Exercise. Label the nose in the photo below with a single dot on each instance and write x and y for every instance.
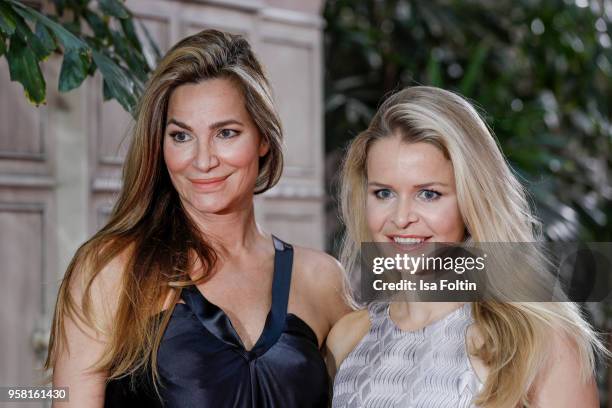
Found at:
(404, 213)
(206, 157)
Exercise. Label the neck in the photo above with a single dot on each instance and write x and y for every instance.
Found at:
(232, 232)
(416, 315)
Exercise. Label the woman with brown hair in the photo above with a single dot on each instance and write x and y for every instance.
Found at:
(182, 297)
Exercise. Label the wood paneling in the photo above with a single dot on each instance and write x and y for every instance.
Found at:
(22, 228)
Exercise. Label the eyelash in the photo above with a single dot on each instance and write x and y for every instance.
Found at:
(437, 193)
(173, 135)
(377, 193)
(236, 133)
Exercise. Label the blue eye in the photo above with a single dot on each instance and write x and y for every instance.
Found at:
(227, 133)
(180, 137)
(383, 194)
(429, 195)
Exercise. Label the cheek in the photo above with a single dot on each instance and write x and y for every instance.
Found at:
(375, 214)
(446, 221)
(177, 158)
(240, 154)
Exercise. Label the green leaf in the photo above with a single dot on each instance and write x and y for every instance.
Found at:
(474, 68)
(114, 8)
(25, 34)
(24, 68)
(434, 72)
(134, 59)
(138, 82)
(74, 70)
(130, 33)
(153, 46)
(107, 95)
(59, 6)
(118, 84)
(99, 27)
(45, 37)
(65, 37)
(7, 19)
(2, 45)
(73, 26)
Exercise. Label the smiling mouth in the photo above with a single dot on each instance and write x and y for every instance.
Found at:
(404, 239)
(206, 184)
(208, 181)
(408, 243)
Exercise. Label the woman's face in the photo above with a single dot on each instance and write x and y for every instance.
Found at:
(411, 195)
(212, 146)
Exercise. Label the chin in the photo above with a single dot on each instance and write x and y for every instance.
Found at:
(210, 204)
(211, 208)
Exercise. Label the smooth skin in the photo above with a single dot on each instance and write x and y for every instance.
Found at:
(411, 192)
(212, 149)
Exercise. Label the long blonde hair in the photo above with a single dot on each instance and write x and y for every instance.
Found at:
(148, 217)
(494, 208)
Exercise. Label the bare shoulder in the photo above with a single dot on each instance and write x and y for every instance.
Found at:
(348, 331)
(318, 264)
(344, 337)
(322, 277)
(319, 269)
(559, 382)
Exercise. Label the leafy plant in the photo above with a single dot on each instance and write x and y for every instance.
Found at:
(540, 70)
(90, 38)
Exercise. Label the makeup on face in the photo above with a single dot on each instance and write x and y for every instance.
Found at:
(212, 146)
(411, 194)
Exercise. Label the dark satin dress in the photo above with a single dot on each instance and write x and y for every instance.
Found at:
(203, 363)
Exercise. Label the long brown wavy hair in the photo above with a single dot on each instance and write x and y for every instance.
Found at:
(148, 217)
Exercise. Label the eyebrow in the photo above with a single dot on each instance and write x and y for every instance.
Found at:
(431, 184)
(212, 126)
(179, 123)
(424, 185)
(223, 123)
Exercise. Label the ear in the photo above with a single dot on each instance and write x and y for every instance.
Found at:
(264, 147)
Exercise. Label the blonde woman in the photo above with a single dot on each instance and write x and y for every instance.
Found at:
(427, 169)
(182, 300)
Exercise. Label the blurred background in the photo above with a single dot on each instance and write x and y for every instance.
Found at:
(539, 71)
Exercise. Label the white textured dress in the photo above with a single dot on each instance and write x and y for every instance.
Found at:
(426, 368)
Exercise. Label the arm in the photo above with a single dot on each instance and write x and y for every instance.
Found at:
(84, 344)
(559, 384)
(85, 388)
(318, 283)
(344, 337)
(330, 282)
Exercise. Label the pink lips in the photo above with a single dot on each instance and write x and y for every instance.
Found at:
(208, 184)
(409, 247)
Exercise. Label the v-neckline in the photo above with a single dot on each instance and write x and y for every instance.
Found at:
(218, 323)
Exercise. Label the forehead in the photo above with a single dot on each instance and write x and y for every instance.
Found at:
(393, 161)
(209, 100)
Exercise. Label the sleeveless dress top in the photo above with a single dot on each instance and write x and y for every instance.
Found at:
(426, 368)
(203, 363)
